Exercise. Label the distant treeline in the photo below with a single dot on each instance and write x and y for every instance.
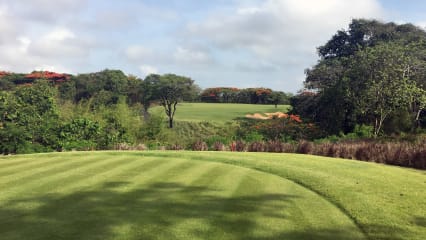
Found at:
(107, 85)
(247, 95)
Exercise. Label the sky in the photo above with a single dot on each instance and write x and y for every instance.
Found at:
(217, 43)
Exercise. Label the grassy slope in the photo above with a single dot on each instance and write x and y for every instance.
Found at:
(195, 196)
(219, 112)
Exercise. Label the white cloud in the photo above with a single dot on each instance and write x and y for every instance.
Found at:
(52, 68)
(421, 24)
(147, 69)
(52, 50)
(283, 25)
(139, 53)
(279, 32)
(190, 56)
(47, 11)
(60, 42)
(8, 25)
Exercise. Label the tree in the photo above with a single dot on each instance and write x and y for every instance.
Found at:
(383, 83)
(368, 74)
(29, 118)
(89, 85)
(148, 94)
(170, 89)
(278, 97)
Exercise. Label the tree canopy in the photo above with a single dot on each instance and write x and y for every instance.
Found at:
(368, 74)
(169, 89)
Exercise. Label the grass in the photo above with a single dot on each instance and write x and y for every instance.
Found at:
(206, 195)
(219, 112)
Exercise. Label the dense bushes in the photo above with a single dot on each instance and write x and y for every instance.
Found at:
(400, 154)
(286, 129)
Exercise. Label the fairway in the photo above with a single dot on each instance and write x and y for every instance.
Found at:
(190, 195)
(219, 112)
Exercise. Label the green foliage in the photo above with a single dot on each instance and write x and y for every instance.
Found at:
(153, 127)
(169, 89)
(248, 96)
(370, 74)
(29, 119)
(115, 82)
(80, 134)
(14, 138)
(281, 129)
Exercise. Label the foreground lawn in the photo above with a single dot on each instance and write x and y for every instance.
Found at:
(219, 112)
(206, 195)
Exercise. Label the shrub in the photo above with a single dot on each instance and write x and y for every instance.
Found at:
(141, 147)
(200, 146)
(257, 147)
(237, 146)
(305, 147)
(274, 146)
(218, 146)
(176, 147)
(240, 146)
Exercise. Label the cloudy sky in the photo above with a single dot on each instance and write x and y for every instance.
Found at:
(241, 43)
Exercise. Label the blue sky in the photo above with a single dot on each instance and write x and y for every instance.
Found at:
(238, 43)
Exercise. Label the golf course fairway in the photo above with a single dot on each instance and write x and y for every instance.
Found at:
(207, 195)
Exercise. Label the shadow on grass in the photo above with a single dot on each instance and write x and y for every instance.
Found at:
(420, 221)
(148, 213)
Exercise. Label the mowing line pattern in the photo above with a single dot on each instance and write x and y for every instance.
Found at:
(109, 195)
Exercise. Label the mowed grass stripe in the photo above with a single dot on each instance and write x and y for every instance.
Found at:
(6, 162)
(48, 179)
(385, 202)
(56, 163)
(28, 165)
(85, 183)
(194, 195)
(103, 188)
(56, 167)
(124, 175)
(89, 176)
(214, 198)
(245, 195)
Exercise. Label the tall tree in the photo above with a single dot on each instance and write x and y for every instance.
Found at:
(148, 94)
(382, 82)
(170, 89)
(365, 75)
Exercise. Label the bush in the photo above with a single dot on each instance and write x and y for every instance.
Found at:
(200, 146)
(176, 147)
(274, 146)
(305, 147)
(218, 146)
(240, 146)
(257, 147)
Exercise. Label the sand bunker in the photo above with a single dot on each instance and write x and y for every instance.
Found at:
(267, 115)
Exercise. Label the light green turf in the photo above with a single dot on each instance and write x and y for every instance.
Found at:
(206, 195)
(220, 112)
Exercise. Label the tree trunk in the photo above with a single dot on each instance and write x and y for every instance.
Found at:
(417, 120)
(146, 115)
(170, 122)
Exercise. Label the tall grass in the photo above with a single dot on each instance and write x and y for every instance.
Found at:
(393, 153)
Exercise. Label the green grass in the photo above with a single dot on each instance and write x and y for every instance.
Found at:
(219, 112)
(206, 195)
